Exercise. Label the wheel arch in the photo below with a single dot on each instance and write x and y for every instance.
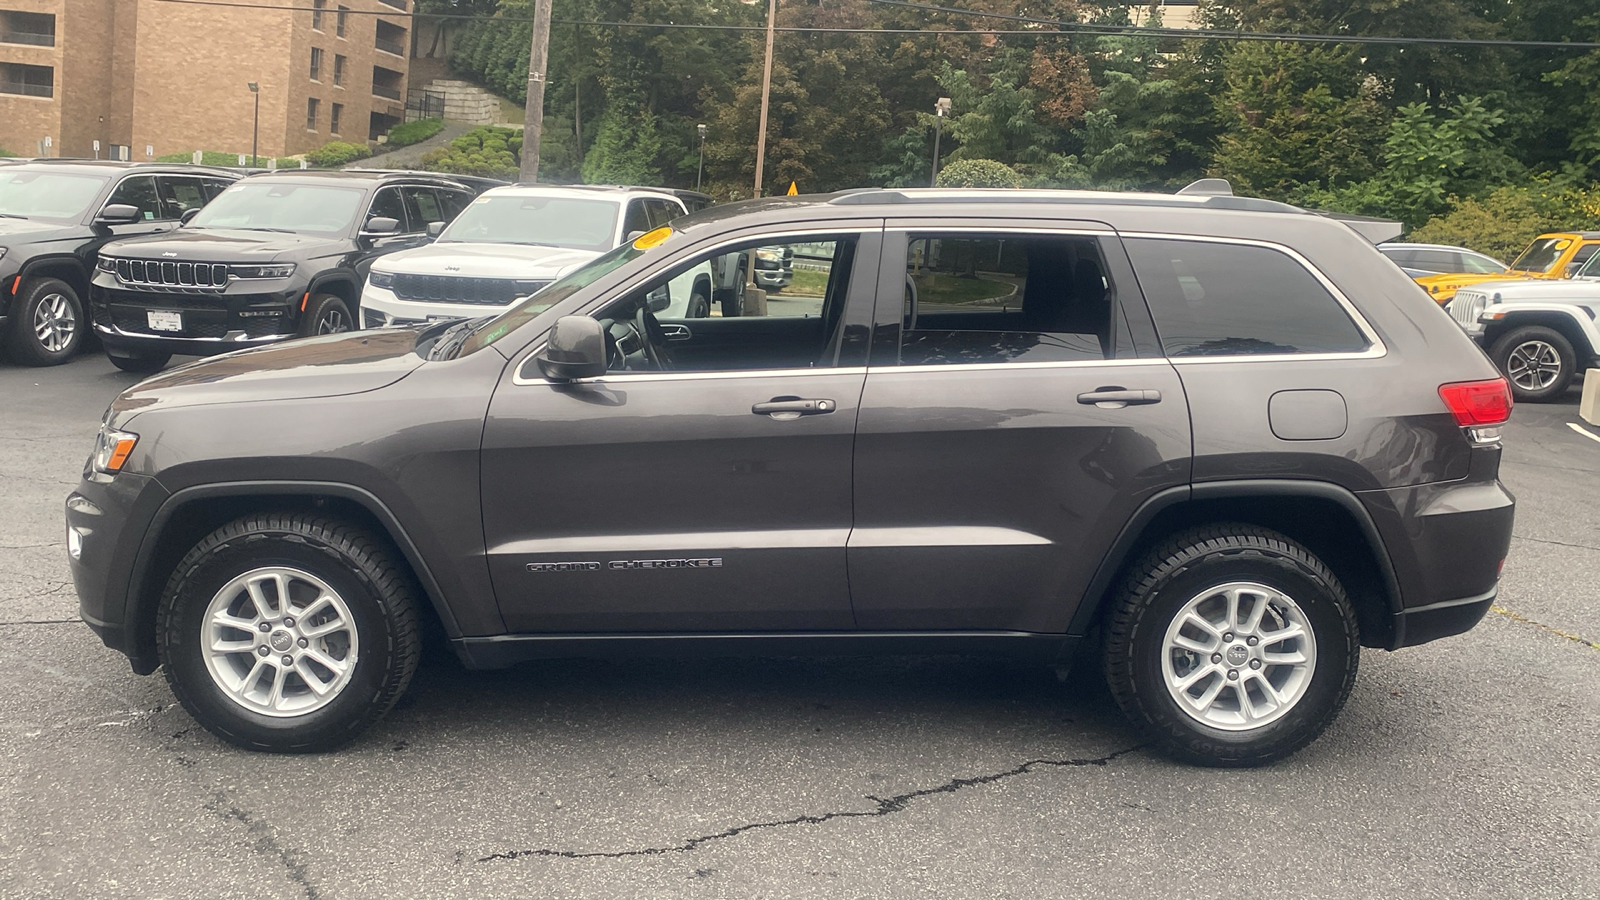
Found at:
(191, 513)
(66, 268)
(1566, 321)
(1329, 520)
(339, 286)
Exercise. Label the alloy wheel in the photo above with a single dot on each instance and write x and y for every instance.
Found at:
(333, 320)
(1238, 656)
(54, 323)
(1533, 365)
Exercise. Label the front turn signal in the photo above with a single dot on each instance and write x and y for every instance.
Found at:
(112, 449)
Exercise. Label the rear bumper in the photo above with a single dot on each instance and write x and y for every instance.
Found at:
(1450, 617)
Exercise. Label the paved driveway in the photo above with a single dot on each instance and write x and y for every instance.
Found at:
(1468, 768)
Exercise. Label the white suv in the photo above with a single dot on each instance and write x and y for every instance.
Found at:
(512, 241)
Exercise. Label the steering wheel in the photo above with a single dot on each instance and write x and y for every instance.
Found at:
(654, 338)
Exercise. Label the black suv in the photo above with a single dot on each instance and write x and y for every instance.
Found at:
(1219, 442)
(278, 255)
(54, 217)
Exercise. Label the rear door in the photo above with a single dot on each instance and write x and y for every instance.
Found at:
(1016, 413)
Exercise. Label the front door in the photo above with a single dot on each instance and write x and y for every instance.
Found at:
(1016, 413)
(701, 485)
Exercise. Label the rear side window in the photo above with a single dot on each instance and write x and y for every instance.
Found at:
(1214, 299)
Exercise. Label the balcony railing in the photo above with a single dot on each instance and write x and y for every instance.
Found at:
(388, 46)
(397, 4)
(38, 39)
(33, 90)
(386, 92)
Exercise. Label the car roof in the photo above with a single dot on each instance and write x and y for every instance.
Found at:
(366, 176)
(578, 190)
(1580, 235)
(108, 166)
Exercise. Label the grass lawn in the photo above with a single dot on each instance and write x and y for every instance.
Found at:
(808, 283)
(949, 290)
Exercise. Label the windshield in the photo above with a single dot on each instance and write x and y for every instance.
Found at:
(559, 290)
(47, 195)
(280, 206)
(1541, 255)
(576, 222)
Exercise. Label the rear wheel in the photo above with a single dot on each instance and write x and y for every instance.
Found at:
(1231, 645)
(1538, 361)
(288, 632)
(326, 314)
(47, 324)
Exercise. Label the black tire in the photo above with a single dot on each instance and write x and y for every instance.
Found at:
(363, 572)
(326, 314)
(699, 306)
(1523, 354)
(142, 363)
(1186, 567)
(54, 300)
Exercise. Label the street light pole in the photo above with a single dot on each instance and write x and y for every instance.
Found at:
(700, 173)
(766, 93)
(255, 124)
(939, 110)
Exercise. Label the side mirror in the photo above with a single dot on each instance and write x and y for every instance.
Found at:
(435, 229)
(381, 226)
(118, 214)
(576, 348)
(659, 299)
(187, 215)
(633, 236)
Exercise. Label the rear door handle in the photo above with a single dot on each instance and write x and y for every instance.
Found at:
(1117, 398)
(786, 408)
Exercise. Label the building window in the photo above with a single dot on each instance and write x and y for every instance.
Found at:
(335, 113)
(38, 29)
(338, 70)
(316, 63)
(397, 4)
(339, 20)
(390, 38)
(387, 83)
(31, 81)
(317, 6)
(311, 113)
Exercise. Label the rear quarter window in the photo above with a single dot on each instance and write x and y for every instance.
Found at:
(1218, 299)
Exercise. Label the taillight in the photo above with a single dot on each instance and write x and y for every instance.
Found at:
(1480, 407)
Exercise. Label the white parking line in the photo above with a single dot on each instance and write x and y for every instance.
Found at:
(1583, 431)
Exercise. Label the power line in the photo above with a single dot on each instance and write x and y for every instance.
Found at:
(1062, 29)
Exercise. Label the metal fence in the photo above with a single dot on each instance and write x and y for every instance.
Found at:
(422, 103)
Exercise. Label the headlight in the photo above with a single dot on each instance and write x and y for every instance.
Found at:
(111, 450)
(770, 254)
(105, 264)
(281, 270)
(383, 280)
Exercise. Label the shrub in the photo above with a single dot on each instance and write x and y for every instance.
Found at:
(7, 154)
(1503, 223)
(208, 158)
(408, 133)
(979, 173)
(487, 151)
(334, 154)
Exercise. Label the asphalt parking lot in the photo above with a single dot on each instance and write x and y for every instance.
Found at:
(1468, 768)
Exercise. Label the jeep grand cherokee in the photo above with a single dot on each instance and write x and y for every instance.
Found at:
(1215, 440)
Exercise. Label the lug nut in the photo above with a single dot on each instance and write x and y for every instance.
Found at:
(288, 621)
(304, 642)
(1255, 663)
(288, 660)
(1233, 674)
(1228, 636)
(265, 626)
(263, 650)
(1252, 640)
(1216, 657)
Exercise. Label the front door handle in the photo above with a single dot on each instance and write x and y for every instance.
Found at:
(787, 408)
(1118, 397)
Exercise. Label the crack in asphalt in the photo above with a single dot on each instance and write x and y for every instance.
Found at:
(266, 843)
(1519, 617)
(884, 806)
(1557, 543)
(43, 622)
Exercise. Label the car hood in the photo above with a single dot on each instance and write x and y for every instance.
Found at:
(484, 260)
(1566, 290)
(330, 366)
(32, 230)
(222, 245)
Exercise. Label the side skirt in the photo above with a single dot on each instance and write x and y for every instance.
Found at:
(501, 651)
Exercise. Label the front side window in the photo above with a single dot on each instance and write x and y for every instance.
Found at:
(387, 204)
(181, 195)
(139, 191)
(1220, 299)
(981, 298)
(638, 218)
(579, 223)
(31, 194)
(1480, 265)
(563, 287)
(269, 204)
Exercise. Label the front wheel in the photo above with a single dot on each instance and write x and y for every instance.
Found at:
(1538, 361)
(47, 324)
(326, 314)
(1231, 645)
(288, 632)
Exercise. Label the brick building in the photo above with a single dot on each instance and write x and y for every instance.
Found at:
(152, 77)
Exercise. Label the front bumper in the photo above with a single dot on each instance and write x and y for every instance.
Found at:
(211, 322)
(382, 309)
(106, 520)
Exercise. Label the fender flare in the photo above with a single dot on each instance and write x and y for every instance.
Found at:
(142, 603)
(1584, 323)
(1094, 596)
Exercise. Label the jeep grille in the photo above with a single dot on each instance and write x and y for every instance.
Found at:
(168, 273)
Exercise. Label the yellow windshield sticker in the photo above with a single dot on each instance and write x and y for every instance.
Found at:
(651, 239)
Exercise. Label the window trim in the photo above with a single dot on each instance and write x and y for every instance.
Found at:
(1376, 349)
(857, 228)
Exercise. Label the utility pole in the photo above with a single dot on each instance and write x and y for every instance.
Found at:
(700, 172)
(533, 119)
(940, 110)
(766, 93)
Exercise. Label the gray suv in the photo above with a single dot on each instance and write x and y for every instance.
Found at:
(1216, 441)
